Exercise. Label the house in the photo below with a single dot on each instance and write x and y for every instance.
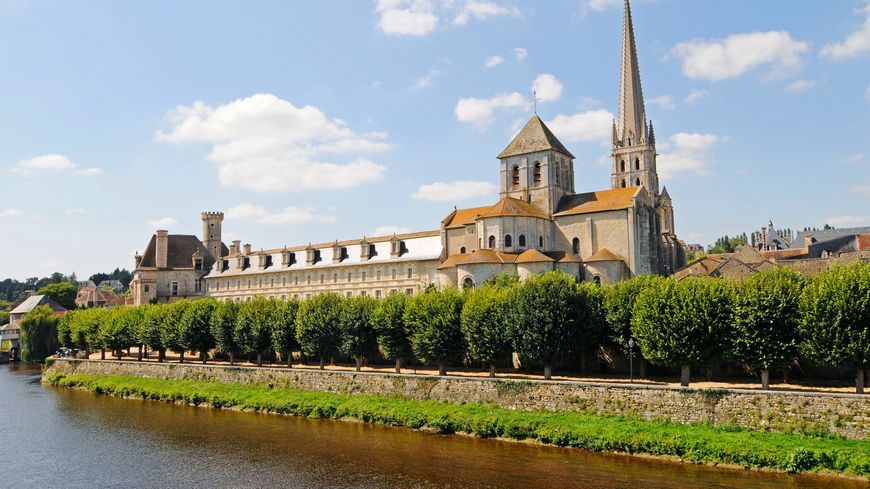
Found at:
(11, 331)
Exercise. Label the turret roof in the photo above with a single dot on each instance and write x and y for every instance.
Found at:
(533, 137)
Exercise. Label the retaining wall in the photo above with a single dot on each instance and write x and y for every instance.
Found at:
(847, 415)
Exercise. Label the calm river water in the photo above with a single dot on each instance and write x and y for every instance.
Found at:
(59, 438)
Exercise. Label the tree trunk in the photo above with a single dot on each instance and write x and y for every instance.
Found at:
(232, 358)
(322, 363)
(102, 353)
(139, 355)
(145, 349)
(161, 355)
(492, 370)
(442, 369)
(583, 369)
(867, 378)
(709, 374)
(684, 376)
(786, 375)
(548, 372)
(398, 365)
(765, 379)
(859, 381)
(358, 361)
(181, 357)
(259, 359)
(87, 353)
(204, 356)
(289, 358)
(642, 368)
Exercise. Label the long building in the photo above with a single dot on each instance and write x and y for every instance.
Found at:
(540, 223)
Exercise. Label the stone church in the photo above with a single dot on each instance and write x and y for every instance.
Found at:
(540, 223)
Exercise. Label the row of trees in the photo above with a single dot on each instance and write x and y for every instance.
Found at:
(764, 323)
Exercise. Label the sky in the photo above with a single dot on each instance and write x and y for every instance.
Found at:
(310, 121)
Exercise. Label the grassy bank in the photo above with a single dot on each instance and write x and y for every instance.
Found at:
(691, 443)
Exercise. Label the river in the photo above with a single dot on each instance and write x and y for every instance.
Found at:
(54, 437)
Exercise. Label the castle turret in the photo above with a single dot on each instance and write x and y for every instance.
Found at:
(211, 232)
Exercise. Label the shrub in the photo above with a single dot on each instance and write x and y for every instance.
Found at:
(433, 320)
(318, 326)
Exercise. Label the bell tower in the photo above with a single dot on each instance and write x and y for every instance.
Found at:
(211, 232)
(634, 151)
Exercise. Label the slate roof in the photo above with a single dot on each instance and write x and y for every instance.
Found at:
(535, 136)
(180, 253)
(599, 201)
(827, 234)
(35, 301)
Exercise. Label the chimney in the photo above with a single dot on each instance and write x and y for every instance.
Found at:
(763, 237)
(247, 248)
(235, 248)
(162, 257)
(808, 240)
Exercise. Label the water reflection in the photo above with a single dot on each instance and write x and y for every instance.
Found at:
(76, 439)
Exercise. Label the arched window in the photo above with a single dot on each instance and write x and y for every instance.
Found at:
(537, 172)
(492, 241)
(597, 280)
(515, 176)
(622, 165)
(575, 246)
(468, 283)
(558, 175)
(637, 163)
(462, 250)
(508, 241)
(522, 240)
(540, 241)
(637, 182)
(622, 184)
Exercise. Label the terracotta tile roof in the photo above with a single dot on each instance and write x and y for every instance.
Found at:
(564, 257)
(863, 242)
(599, 201)
(533, 137)
(604, 255)
(791, 253)
(349, 242)
(478, 256)
(533, 256)
(508, 206)
(461, 217)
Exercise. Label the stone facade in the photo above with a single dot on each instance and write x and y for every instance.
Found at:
(846, 415)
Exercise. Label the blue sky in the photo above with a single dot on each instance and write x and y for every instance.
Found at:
(316, 120)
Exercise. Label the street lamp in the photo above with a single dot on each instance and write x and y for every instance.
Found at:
(631, 359)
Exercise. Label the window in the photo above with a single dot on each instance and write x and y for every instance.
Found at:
(558, 175)
(393, 271)
(410, 272)
(349, 293)
(467, 283)
(462, 250)
(537, 172)
(409, 291)
(522, 240)
(284, 282)
(637, 182)
(515, 176)
(197, 264)
(349, 275)
(378, 272)
(363, 275)
(622, 165)
(308, 278)
(540, 241)
(622, 184)
(492, 241)
(296, 280)
(321, 278)
(378, 294)
(637, 163)
(597, 280)
(508, 241)
(362, 293)
(335, 277)
(197, 285)
(147, 288)
(174, 288)
(575, 246)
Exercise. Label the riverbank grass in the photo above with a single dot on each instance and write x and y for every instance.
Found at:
(697, 443)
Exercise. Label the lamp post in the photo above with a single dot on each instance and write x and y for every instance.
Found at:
(631, 359)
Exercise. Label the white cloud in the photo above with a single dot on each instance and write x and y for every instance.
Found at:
(592, 125)
(855, 157)
(287, 215)
(388, 230)
(425, 80)
(406, 17)
(547, 88)
(456, 191)
(848, 221)
(800, 86)
(479, 111)
(266, 144)
(686, 153)
(482, 10)
(862, 190)
(521, 53)
(599, 5)
(162, 223)
(90, 172)
(739, 53)
(10, 212)
(72, 211)
(50, 163)
(493, 61)
(664, 101)
(855, 44)
(696, 95)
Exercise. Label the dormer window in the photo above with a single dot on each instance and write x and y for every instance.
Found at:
(225, 265)
(397, 248)
(288, 258)
(367, 250)
(339, 254)
(197, 263)
(312, 256)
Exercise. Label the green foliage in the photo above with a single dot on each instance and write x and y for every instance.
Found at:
(727, 244)
(683, 323)
(196, 326)
(766, 319)
(82, 328)
(835, 311)
(503, 280)
(283, 321)
(433, 320)
(38, 334)
(318, 326)
(151, 326)
(619, 299)
(484, 324)
(64, 293)
(358, 337)
(4, 317)
(253, 332)
(389, 324)
(173, 335)
(119, 326)
(543, 313)
(223, 326)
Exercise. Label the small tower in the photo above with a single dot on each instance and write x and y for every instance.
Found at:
(211, 232)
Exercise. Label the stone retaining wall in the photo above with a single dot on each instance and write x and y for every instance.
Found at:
(847, 415)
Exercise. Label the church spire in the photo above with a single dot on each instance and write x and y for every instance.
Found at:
(632, 116)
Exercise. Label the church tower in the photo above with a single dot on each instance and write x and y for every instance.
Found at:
(634, 151)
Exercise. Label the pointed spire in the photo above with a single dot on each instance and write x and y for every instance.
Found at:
(632, 116)
(614, 132)
(652, 134)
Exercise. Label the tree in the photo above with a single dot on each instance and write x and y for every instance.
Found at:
(434, 322)
(84, 329)
(835, 319)
(150, 328)
(484, 324)
(118, 329)
(196, 326)
(766, 320)
(590, 325)
(358, 337)
(318, 327)
(619, 299)
(223, 325)
(284, 328)
(543, 312)
(64, 293)
(389, 325)
(683, 323)
(173, 336)
(38, 334)
(253, 332)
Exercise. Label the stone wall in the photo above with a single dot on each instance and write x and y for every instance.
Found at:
(847, 415)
